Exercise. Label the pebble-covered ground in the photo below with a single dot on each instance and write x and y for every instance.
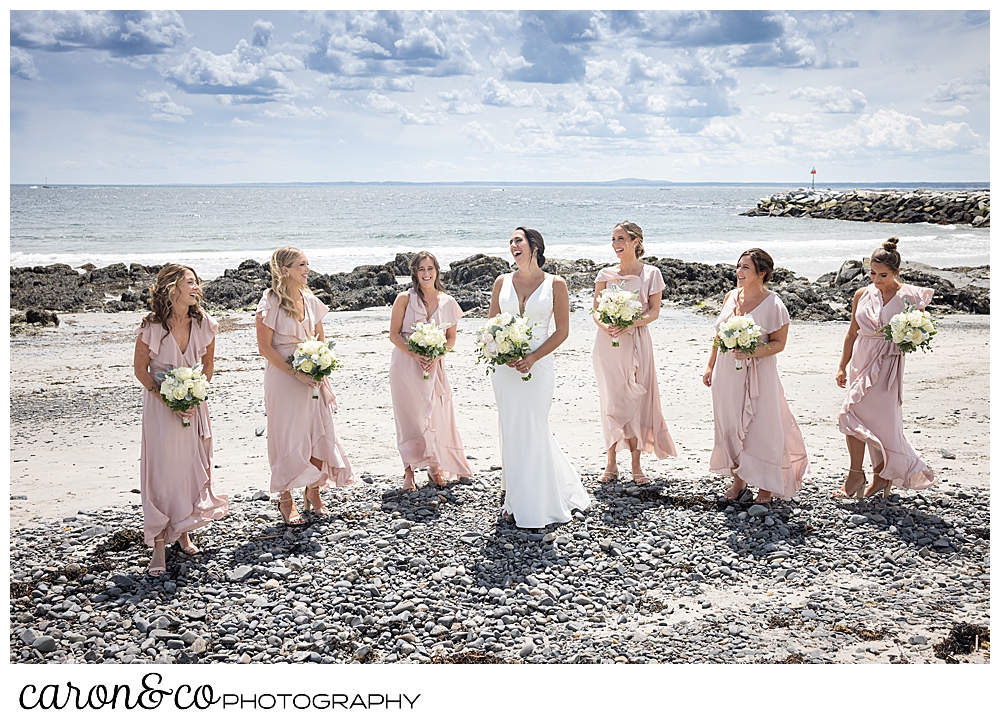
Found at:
(661, 573)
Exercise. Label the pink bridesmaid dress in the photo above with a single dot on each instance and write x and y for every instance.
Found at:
(626, 376)
(423, 409)
(175, 465)
(298, 426)
(756, 435)
(873, 409)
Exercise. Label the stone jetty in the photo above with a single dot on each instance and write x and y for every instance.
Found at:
(889, 206)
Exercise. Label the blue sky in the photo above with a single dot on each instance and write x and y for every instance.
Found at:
(268, 96)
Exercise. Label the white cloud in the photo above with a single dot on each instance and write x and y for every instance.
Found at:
(482, 138)
(718, 130)
(959, 89)
(496, 93)
(164, 108)
(832, 99)
(763, 89)
(240, 123)
(460, 102)
(893, 133)
(246, 75)
(22, 64)
(382, 104)
(123, 33)
(952, 112)
(290, 110)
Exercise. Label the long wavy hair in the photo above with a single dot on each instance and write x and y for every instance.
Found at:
(415, 263)
(635, 233)
(280, 259)
(159, 301)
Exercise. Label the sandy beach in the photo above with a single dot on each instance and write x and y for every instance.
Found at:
(75, 426)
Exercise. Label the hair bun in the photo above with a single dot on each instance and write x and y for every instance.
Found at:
(890, 244)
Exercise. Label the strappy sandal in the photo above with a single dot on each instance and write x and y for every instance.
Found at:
(643, 479)
(731, 496)
(317, 507)
(843, 493)
(608, 477)
(157, 571)
(409, 483)
(190, 549)
(761, 501)
(437, 479)
(290, 515)
(885, 490)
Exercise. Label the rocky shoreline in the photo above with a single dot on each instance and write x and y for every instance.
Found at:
(44, 291)
(900, 207)
(659, 573)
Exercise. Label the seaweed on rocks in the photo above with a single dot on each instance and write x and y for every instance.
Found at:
(964, 638)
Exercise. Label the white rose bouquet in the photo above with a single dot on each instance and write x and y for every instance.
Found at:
(911, 329)
(618, 307)
(428, 340)
(314, 358)
(739, 332)
(182, 388)
(503, 338)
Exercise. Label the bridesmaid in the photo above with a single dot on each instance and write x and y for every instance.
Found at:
(757, 439)
(631, 417)
(422, 408)
(302, 445)
(175, 465)
(872, 414)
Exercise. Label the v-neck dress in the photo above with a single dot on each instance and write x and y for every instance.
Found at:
(175, 464)
(423, 410)
(756, 435)
(626, 375)
(873, 408)
(299, 427)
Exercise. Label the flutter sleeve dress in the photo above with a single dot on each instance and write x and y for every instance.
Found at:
(873, 408)
(626, 376)
(175, 465)
(756, 435)
(424, 411)
(299, 427)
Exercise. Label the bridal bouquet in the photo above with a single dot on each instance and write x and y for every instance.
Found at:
(618, 307)
(503, 338)
(911, 329)
(428, 340)
(182, 388)
(314, 358)
(740, 333)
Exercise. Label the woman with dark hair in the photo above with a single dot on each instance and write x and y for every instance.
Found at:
(175, 465)
(872, 414)
(422, 407)
(757, 439)
(631, 417)
(302, 445)
(540, 483)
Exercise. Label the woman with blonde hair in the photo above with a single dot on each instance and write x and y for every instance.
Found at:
(175, 465)
(872, 414)
(631, 417)
(302, 445)
(422, 404)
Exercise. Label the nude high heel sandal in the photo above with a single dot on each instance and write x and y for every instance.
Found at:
(858, 493)
(289, 514)
(157, 571)
(318, 507)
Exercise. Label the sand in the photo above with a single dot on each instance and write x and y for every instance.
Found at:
(76, 407)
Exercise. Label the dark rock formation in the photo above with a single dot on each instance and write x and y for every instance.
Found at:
(470, 281)
(901, 207)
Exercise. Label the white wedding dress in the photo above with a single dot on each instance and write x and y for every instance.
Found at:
(542, 486)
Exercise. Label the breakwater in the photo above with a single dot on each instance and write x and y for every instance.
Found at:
(899, 207)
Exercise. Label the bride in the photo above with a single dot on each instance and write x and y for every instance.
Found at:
(541, 485)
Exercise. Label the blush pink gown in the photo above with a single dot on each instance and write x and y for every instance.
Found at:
(626, 376)
(756, 435)
(175, 465)
(298, 426)
(423, 409)
(873, 409)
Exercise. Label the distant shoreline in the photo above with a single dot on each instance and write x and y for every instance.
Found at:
(625, 183)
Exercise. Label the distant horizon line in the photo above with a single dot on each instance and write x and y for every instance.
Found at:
(617, 182)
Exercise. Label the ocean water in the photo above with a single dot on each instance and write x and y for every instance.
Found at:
(213, 228)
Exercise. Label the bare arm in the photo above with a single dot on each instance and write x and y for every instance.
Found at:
(776, 344)
(140, 367)
(495, 299)
(208, 361)
(706, 376)
(849, 339)
(560, 310)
